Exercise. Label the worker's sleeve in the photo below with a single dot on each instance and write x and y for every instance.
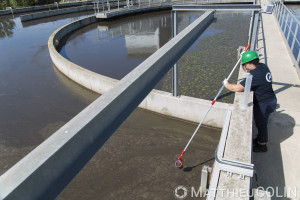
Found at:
(243, 82)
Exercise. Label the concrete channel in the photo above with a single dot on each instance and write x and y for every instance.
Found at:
(88, 121)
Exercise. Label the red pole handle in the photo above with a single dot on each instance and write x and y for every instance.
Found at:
(248, 46)
(181, 155)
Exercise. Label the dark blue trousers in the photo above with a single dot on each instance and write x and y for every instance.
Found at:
(261, 113)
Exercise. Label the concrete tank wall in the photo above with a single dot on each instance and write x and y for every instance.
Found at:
(183, 107)
(54, 13)
(43, 7)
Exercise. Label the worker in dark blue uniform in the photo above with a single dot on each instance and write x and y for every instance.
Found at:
(264, 100)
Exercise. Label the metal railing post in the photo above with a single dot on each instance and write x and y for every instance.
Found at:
(174, 70)
(290, 28)
(298, 57)
(283, 17)
(257, 29)
(286, 22)
(247, 91)
(281, 11)
(275, 8)
(250, 26)
(295, 35)
(56, 3)
(277, 5)
(278, 11)
(280, 14)
(254, 30)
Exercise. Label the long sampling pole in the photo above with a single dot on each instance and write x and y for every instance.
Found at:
(179, 162)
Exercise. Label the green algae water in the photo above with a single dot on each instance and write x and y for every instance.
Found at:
(203, 68)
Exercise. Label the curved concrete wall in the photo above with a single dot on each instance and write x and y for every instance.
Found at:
(44, 7)
(55, 12)
(183, 107)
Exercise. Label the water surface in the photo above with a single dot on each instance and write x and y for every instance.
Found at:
(36, 99)
(114, 48)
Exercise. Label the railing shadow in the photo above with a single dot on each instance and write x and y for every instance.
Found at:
(285, 86)
(189, 169)
(269, 166)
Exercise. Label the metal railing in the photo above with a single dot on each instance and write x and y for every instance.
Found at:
(105, 5)
(289, 25)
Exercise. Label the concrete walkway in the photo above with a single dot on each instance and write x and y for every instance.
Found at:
(279, 167)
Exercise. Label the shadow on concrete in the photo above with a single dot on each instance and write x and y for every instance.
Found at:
(189, 169)
(269, 166)
(285, 86)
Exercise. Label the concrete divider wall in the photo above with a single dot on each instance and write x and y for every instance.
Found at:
(43, 7)
(5, 12)
(133, 11)
(54, 12)
(187, 108)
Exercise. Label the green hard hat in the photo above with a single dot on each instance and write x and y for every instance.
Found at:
(249, 56)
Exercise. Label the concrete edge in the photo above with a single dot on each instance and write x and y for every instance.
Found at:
(239, 140)
(132, 10)
(43, 7)
(183, 107)
(51, 13)
(239, 148)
